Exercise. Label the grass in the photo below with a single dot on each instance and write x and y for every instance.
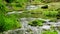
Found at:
(7, 22)
(50, 32)
(18, 5)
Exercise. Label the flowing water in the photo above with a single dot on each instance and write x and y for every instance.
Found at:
(37, 30)
(27, 29)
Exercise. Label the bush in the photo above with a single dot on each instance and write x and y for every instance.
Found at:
(7, 22)
(2, 22)
(11, 22)
(36, 23)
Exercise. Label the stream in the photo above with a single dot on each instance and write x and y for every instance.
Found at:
(27, 29)
(37, 30)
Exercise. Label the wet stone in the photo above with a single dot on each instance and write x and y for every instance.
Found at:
(45, 7)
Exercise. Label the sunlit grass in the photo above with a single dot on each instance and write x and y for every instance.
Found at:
(50, 32)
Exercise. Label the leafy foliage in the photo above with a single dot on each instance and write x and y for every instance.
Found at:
(7, 22)
(11, 22)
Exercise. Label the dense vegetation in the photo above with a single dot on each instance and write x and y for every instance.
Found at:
(50, 32)
(9, 22)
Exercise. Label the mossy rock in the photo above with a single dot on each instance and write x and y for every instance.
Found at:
(36, 23)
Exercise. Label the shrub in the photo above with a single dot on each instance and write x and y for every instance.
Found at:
(7, 22)
(2, 22)
(11, 22)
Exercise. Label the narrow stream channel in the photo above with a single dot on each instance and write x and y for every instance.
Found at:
(27, 29)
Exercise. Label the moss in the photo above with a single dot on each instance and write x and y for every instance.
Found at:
(36, 23)
(50, 32)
